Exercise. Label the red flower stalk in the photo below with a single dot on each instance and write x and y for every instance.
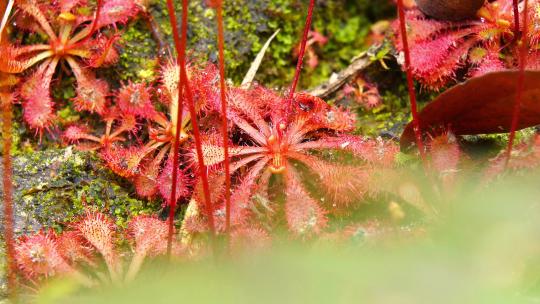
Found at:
(183, 84)
(180, 60)
(70, 39)
(517, 28)
(303, 43)
(523, 50)
(410, 84)
(218, 4)
(6, 99)
(200, 156)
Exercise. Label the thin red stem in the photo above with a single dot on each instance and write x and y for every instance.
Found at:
(410, 81)
(180, 45)
(516, 20)
(198, 146)
(521, 82)
(303, 44)
(224, 127)
(180, 51)
(92, 29)
(5, 104)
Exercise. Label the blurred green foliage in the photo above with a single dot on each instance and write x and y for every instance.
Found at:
(482, 248)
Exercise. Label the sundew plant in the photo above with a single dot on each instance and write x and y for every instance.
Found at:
(252, 192)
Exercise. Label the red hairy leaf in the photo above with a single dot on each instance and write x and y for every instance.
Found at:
(135, 99)
(103, 51)
(72, 247)
(117, 11)
(149, 234)
(165, 182)
(38, 255)
(124, 161)
(305, 217)
(98, 230)
(68, 5)
(146, 182)
(250, 239)
(523, 50)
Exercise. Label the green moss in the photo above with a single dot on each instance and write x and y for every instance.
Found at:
(65, 89)
(345, 23)
(138, 55)
(487, 146)
(381, 121)
(501, 140)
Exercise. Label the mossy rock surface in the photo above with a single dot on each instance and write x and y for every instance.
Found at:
(56, 185)
(247, 25)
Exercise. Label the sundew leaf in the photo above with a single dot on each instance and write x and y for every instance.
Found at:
(482, 105)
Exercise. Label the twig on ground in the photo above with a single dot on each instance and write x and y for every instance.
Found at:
(340, 79)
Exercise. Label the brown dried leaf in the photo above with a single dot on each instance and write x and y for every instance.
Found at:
(482, 105)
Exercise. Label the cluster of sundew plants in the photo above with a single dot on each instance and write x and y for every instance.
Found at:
(302, 123)
(266, 139)
(73, 37)
(445, 51)
(503, 36)
(89, 240)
